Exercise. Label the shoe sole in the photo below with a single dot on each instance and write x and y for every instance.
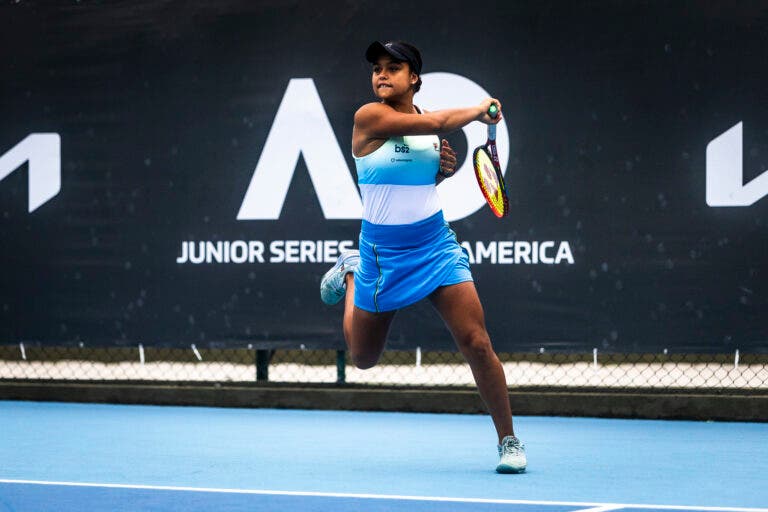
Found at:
(335, 300)
(509, 469)
(333, 269)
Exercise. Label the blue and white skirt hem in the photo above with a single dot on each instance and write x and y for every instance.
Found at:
(403, 264)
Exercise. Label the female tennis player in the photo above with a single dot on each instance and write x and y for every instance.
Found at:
(407, 250)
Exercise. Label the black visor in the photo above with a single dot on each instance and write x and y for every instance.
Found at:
(396, 50)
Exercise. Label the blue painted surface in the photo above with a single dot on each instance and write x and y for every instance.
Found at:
(570, 459)
(32, 498)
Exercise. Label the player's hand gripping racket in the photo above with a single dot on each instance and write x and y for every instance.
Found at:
(488, 171)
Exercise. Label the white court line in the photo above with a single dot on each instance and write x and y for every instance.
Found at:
(592, 507)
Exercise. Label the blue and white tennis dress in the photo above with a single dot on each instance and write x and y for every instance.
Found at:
(407, 249)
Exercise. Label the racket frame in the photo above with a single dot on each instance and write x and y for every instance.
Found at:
(490, 148)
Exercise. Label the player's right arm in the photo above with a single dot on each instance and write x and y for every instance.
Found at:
(380, 121)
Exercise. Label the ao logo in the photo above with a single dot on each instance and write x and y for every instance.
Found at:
(725, 172)
(43, 152)
(301, 127)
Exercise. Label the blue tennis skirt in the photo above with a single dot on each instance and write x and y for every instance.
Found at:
(402, 264)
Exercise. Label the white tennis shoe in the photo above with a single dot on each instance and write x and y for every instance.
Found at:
(333, 285)
(512, 453)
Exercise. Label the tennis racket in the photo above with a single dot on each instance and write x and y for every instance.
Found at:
(488, 171)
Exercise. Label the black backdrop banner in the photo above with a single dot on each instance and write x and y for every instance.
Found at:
(181, 173)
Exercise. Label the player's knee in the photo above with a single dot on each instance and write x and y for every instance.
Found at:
(364, 361)
(476, 345)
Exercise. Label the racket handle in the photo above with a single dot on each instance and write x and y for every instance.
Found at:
(493, 111)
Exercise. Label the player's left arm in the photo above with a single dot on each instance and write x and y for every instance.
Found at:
(447, 167)
(448, 162)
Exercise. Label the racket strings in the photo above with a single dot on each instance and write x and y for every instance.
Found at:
(491, 184)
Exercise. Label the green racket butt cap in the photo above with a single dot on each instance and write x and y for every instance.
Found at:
(493, 111)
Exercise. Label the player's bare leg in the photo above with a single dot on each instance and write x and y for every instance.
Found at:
(364, 332)
(460, 308)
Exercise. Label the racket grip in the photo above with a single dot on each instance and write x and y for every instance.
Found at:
(493, 110)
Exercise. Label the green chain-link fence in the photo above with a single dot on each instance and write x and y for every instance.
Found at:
(20, 362)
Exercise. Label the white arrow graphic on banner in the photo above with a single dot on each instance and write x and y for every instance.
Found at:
(43, 152)
(725, 172)
(301, 128)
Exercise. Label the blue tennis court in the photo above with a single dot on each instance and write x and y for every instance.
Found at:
(68, 457)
